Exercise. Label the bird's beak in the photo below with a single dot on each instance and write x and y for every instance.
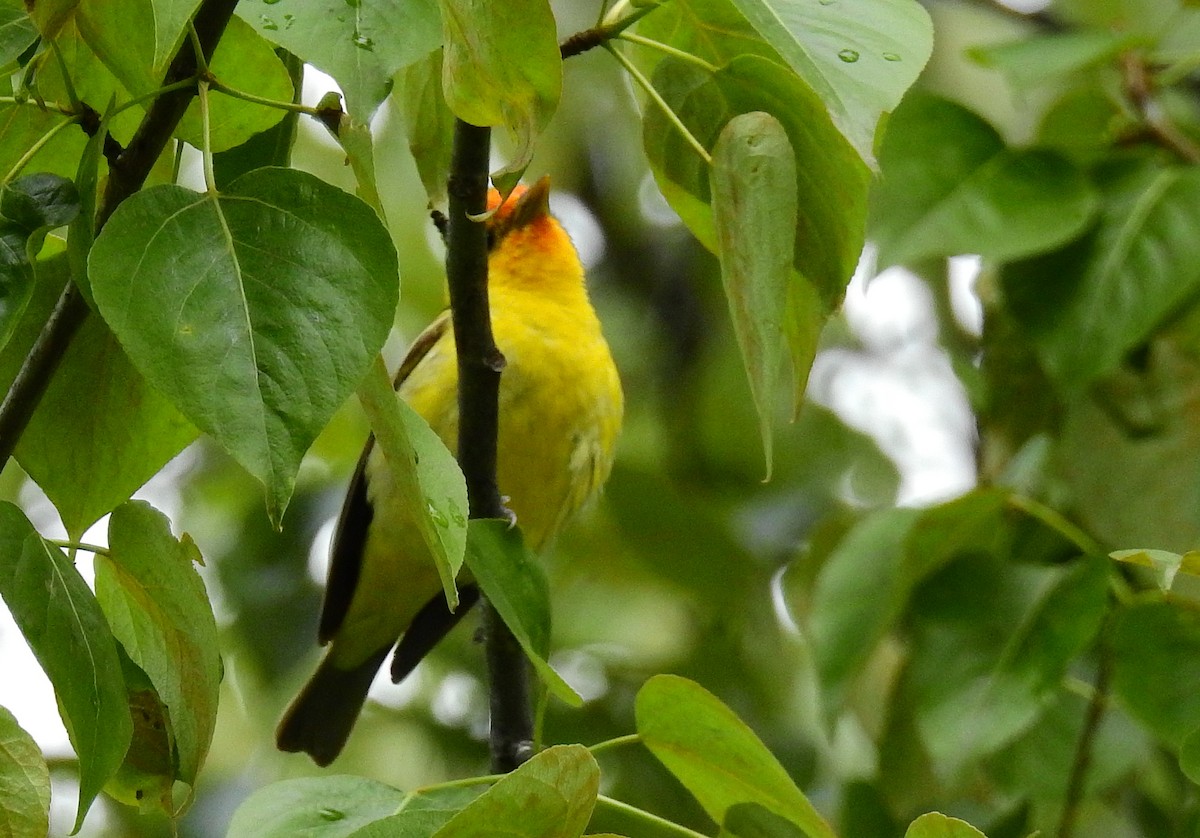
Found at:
(534, 204)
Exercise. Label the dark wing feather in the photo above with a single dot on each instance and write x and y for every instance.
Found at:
(432, 623)
(350, 538)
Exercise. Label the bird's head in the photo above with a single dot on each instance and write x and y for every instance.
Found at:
(527, 247)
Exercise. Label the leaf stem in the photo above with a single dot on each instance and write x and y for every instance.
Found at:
(183, 84)
(1083, 749)
(657, 98)
(617, 742)
(210, 178)
(1057, 522)
(80, 545)
(293, 107)
(662, 825)
(667, 49)
(35, 148)
(43, 105)
(72, 96)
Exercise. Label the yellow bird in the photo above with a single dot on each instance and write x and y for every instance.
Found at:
(560, 413)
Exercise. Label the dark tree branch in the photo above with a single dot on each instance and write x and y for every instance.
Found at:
(1139, 87)
(479, 367)
(127, 173)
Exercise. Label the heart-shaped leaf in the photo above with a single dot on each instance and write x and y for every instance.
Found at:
(256, 311)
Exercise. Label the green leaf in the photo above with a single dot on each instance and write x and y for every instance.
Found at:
(831, 181)
(29, 208)
(403, 824)
(550, 796)
(244, 61)
(950, 187)
(426, 473)
(1164, 563)
(24, 782)
(1156, 662)
(136, 39)
(361, 45)
(501, 66)
(754, 212)
(937, 825)
(49, 15)
(424, 813)
(320, 807)
(516, 587)
(62, 623)
(1030, 62)
(146, 778)
(715, 755)
(159, 611)
(861, 590)
(429, 123)
(1089, 304)
(117, 439)
(256, 312)
(1060, 627)
(860, 58)
(17, 29)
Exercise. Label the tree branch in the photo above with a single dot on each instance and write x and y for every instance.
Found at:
(1087, 737)
(479, 367)
(126, 175)
(1139, 87)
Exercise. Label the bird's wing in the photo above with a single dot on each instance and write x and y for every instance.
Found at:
(350, 538)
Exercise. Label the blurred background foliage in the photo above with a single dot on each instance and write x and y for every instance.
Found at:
(916, 612)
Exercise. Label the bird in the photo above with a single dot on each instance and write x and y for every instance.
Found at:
(560, 412)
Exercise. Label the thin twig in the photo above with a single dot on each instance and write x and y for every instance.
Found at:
(1083, 749)
(127, 173)
(1139, 87)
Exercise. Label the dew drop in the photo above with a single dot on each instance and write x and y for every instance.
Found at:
(848, 55)
(826, 2)
(269, 24)
(288, 20)
(270, 2)
(891, 56)
(437, 517)
(363, 42)
(331, 814)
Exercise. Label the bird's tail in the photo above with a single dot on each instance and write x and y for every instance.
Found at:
(319, 721)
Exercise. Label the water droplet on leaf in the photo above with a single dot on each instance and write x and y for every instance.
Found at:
(848, 55)
(270, 2)
(269, 24)
(288, 20)
(826, 2)
(891, 56)
(437, 517)
(331, 814)
(363, 42)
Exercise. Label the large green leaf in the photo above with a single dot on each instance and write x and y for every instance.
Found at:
(550, 796)
(361, 45)
(148, 587)
(501, 67)
(831, 180)
(1156, 661)
(24, 782)
(256, 311)
(118, 438)
(1030, 62)
(950, 187)
(859, 57)
(1089, 304)
(516, 587)
(754, 212)
(716, 756)
(320, 807)
(62, 623)
(23, 125)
